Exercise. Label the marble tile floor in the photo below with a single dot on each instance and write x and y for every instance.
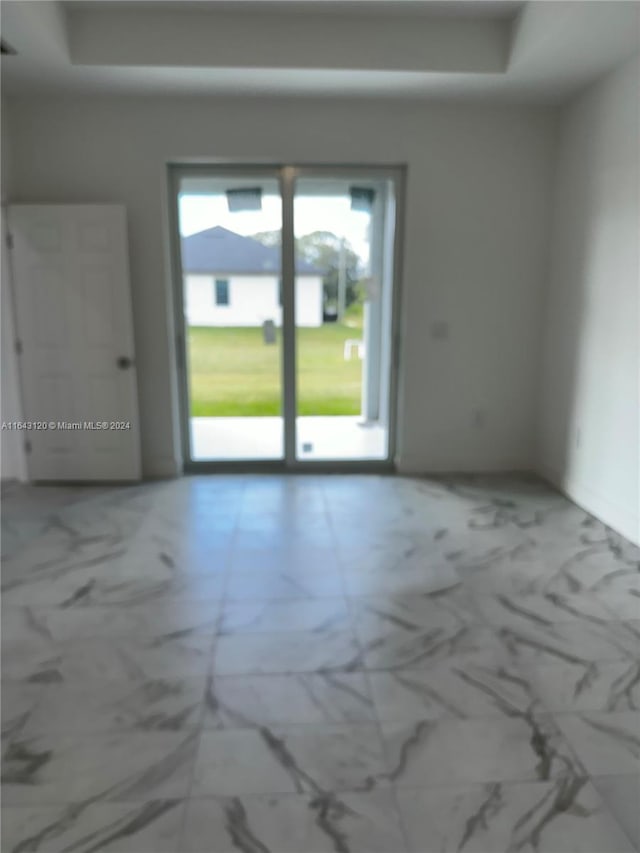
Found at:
(307, 664)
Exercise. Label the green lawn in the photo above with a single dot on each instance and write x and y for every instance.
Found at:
(232, 372)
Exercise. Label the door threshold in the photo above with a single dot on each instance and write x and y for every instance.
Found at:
(281, 467)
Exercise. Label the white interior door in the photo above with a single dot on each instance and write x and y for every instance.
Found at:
(74, 325)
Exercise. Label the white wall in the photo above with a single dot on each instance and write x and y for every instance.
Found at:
(309, 302)
(252, 300)
(474, 257)
(589, 432)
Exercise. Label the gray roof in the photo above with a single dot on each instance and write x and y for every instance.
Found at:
(219, 250)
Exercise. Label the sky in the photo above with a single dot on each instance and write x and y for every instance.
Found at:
(317, 213)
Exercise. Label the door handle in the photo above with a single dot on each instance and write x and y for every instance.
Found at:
(124, 362)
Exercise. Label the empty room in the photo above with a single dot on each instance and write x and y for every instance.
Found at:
(320, 410)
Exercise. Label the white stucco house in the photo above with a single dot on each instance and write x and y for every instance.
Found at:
(230, 280)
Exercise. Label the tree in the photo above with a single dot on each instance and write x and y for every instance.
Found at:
(323, 249)
(267, 238)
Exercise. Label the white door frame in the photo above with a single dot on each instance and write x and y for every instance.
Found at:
(14, 463)
(287, 176)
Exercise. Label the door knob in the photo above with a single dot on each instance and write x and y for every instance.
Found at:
(124, 362)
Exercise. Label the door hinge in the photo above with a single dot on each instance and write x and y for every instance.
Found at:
(9, 240)
(19, 347)
(27, 446)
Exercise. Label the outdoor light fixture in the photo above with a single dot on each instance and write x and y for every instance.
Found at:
(362, 198)
(244, 199)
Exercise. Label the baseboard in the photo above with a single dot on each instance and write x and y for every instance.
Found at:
(414, 466)
(619, 518)
(160, 467)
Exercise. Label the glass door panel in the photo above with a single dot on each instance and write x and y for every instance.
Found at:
(230, 254)
(344, 234)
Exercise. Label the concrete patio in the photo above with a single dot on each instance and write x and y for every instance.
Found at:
(337, 437)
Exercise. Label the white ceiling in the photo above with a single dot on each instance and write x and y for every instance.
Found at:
(537, 51)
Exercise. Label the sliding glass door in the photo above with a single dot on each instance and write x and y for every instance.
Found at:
(231, 313)
(286, 310)
(344, 238)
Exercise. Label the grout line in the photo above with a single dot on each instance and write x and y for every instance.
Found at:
(367, 680)
(209, 674)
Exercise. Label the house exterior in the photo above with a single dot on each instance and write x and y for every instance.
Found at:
(230, 280)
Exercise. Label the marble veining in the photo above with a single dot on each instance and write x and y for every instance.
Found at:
(320, 697)
(313, 664)
(290, 823)
(150, 827)
(539, 816)
(528, 746)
